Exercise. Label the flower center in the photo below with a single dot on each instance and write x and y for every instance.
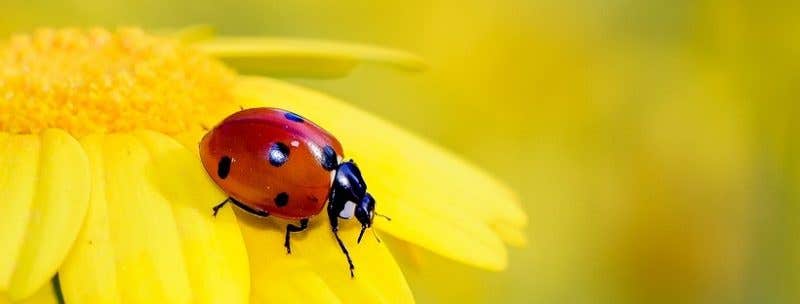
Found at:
(86, 81)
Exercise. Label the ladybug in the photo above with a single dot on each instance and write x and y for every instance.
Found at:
(272, 162)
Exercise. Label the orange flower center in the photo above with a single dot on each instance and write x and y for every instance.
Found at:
(86, 81)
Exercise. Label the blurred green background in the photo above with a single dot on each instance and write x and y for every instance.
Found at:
(653, 143)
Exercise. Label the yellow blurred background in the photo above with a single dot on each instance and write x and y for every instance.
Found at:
(653, 143)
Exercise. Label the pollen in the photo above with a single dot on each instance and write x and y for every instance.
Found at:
(95, 80)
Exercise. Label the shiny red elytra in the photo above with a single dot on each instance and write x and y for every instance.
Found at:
(274, 162)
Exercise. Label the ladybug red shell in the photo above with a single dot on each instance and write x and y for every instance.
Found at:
(274, 162)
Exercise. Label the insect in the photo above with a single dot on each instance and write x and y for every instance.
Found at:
(272, 162)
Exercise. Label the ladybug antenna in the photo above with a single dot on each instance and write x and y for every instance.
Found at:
(361, 234)
(383, 216)
(376, 236)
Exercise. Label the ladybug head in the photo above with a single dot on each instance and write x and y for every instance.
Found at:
(365, 211)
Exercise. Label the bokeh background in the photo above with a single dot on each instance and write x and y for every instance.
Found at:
(653, 143)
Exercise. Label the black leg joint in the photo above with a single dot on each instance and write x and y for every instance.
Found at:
(220, 205)
(248, 209)
(292, 228)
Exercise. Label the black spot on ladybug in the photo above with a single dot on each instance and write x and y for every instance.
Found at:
(281, 199)
(328, 158)
(293, 117)
(224, 167)
(278, 154)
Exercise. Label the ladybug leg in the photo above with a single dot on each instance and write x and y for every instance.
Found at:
(259, 213)
(292, 228)
(335, 229)
(344, 250)
(338, 197)
(220, 205)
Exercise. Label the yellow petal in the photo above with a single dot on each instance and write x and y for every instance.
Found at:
(317, 271)
(89, 275)
(19, 164)
(45, 186)
(144, 241)
(191, 139)
(510, 234)
(188, 34)
(302, 57)
(150, 237)
(45, 295)
(436, 199)
(214, 250)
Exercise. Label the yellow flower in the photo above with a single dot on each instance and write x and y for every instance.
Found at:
(102, 185)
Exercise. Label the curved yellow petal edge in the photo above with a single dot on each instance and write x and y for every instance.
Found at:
(436, 200)
(302, 57)
(149, 237)
(44, 182)
(188, 34)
